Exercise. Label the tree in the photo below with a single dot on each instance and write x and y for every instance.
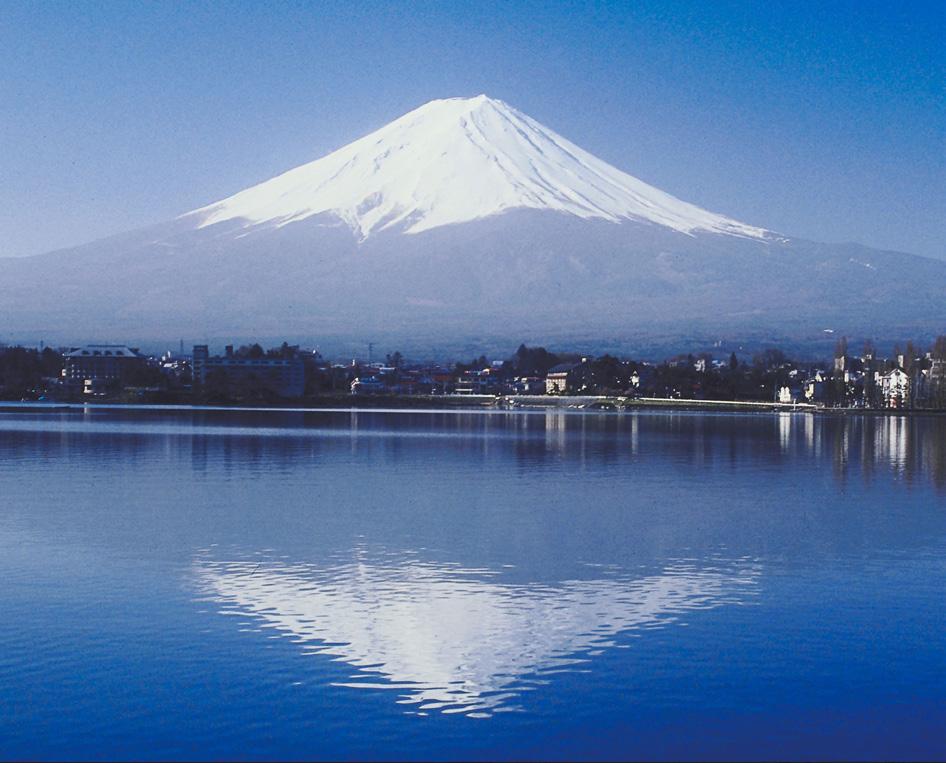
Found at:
(22, 370)
(939, 347)
(534, 361)
(250, 351)
(608, 374)
(909, 355)
(285, 350)
(216, 386)
(840, 349)
(142, 374)
(770, 358)
(938, 373)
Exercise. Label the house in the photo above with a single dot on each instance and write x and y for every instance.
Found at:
(816, 388)
(895, 388)
(529, 385)
(485, 382)
(441, 381)
(560, 379)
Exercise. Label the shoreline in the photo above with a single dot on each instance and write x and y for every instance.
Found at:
(477, 403)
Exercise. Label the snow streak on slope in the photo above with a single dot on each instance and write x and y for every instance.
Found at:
(456, 160)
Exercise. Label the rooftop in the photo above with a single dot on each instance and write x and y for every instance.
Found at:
(104, 350)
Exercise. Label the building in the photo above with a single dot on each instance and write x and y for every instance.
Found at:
(441, 381)
(487, 381)
(930, 390)
(560, 379)
(97, 367)
(895, 388)
(282, 376)
(529, 385)
(370, 385)
(816, 388)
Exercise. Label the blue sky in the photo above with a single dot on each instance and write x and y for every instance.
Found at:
(825, 121)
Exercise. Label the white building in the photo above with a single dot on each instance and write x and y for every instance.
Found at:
(895, 388)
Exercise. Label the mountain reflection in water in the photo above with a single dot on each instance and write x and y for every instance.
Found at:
(634, 585)
(454, 639)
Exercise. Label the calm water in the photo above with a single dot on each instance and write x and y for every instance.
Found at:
(445, 584)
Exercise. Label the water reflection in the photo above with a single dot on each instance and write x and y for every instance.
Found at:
(451, 639)
(911, 448)
(454, 562)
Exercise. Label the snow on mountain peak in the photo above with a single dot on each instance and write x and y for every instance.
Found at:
(454, 160)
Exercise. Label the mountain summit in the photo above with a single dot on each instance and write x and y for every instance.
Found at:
(457, 160)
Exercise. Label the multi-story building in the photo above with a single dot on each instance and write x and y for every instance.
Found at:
(895, 388)
(283, 376)
(96, 367)
(484, 382)
(560, 379)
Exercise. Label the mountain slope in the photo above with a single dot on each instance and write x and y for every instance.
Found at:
(453, 161)
(460, 223)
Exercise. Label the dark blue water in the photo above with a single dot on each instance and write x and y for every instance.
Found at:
(454, 585)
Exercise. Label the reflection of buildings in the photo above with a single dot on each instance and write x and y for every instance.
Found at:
(891, 441)
(784, 430)
(555, 430)
(910, 446)
(458, 640)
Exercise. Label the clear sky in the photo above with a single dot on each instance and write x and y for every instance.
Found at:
(820, 120)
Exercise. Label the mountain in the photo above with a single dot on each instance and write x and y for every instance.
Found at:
(464, 223)
(454, 161)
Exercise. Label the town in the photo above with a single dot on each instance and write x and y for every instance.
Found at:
(912, 378)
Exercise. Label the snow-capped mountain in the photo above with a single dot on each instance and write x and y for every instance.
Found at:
(463, 224)
(456, 160)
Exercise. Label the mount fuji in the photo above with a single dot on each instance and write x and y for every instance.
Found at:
(454, 161)
(463, 223)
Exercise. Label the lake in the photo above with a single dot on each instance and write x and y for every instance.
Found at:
(468, 584)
